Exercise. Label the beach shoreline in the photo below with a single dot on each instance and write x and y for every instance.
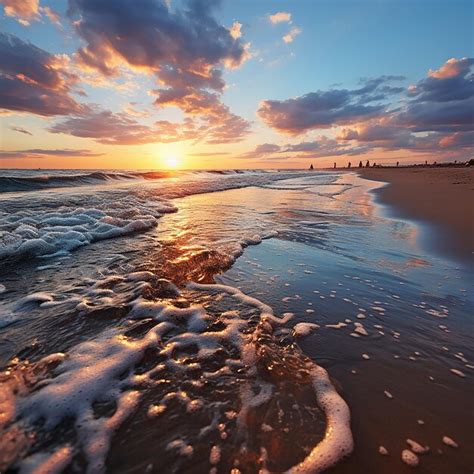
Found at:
(440, 197)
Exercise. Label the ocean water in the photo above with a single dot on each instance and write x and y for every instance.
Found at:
(219, 321)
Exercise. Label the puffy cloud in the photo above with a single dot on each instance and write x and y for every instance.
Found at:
(118, 129)
(186, 48)
(26, 11)
(291, 35)
(451, 68)
(236, 30)
(148, 34)
(32, 80)
(41, 153)
(322, 109)
(453, 81)
(23, 10)
(280, 17)
(435, 115)
(111, 128)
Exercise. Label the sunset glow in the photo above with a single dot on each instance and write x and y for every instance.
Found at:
(235, 84)
(171, 161)
(236, 236)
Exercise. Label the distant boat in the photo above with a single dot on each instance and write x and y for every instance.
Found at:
(311, 167)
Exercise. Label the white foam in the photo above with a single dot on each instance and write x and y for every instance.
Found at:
(338, 440)
(417, 447)
(383, 451)
(339, 325)
(410, 458)
(458, 373)
(450, 442)
(304, 329)
(359, 329)
(45, 233)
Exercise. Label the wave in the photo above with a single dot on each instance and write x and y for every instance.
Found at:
(33, 181)
(42, 181)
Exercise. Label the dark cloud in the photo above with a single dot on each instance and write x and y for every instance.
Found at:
(443, 101)
(184, 47)
(40, 153)
(149, 34)
(436, 115)
(453, 81)
(325, 109)
(21, 130)
(319, 148)
(32, 80)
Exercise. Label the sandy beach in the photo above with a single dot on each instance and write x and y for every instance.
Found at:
(442, 197)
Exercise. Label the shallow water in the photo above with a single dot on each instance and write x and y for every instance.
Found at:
(110, 366)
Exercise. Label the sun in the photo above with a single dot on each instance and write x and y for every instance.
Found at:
(171, 161)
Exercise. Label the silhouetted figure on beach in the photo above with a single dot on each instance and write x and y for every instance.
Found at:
(360, 164)
(349, 164)
(398, 163)
(334, 165)
(367, 164)
(311, 167)
(374, 164)
(426, 163)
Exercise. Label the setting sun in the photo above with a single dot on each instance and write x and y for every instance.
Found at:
(171, 161)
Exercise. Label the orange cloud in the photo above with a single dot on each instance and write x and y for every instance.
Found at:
(280, 17)
(451, 68)
(23, 10)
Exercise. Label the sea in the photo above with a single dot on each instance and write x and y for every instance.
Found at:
(227, 321)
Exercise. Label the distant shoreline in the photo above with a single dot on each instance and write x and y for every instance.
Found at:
(442, 196)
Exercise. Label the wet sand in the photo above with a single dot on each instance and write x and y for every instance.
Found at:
(442, 197)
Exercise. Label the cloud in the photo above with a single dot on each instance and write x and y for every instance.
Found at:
(435, 115)
(185, 48)
(51, 14)
(211, 153)
(291, 35)
(280, 17)
(451, 68)
(111, 128)
(118, 129)
(23, 10)
(41, 153)
(325, 109)
(443, 101)
(318, 148)
(236, 30)
(21, 130)
(32, 80)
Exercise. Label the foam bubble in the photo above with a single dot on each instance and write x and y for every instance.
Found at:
(450, 442)
(458, 373)
(410, 458)
(417, 447)
(304, 329)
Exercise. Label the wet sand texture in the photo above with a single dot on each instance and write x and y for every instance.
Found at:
(440, 196)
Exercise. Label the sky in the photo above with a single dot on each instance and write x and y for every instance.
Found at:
(208, 84)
